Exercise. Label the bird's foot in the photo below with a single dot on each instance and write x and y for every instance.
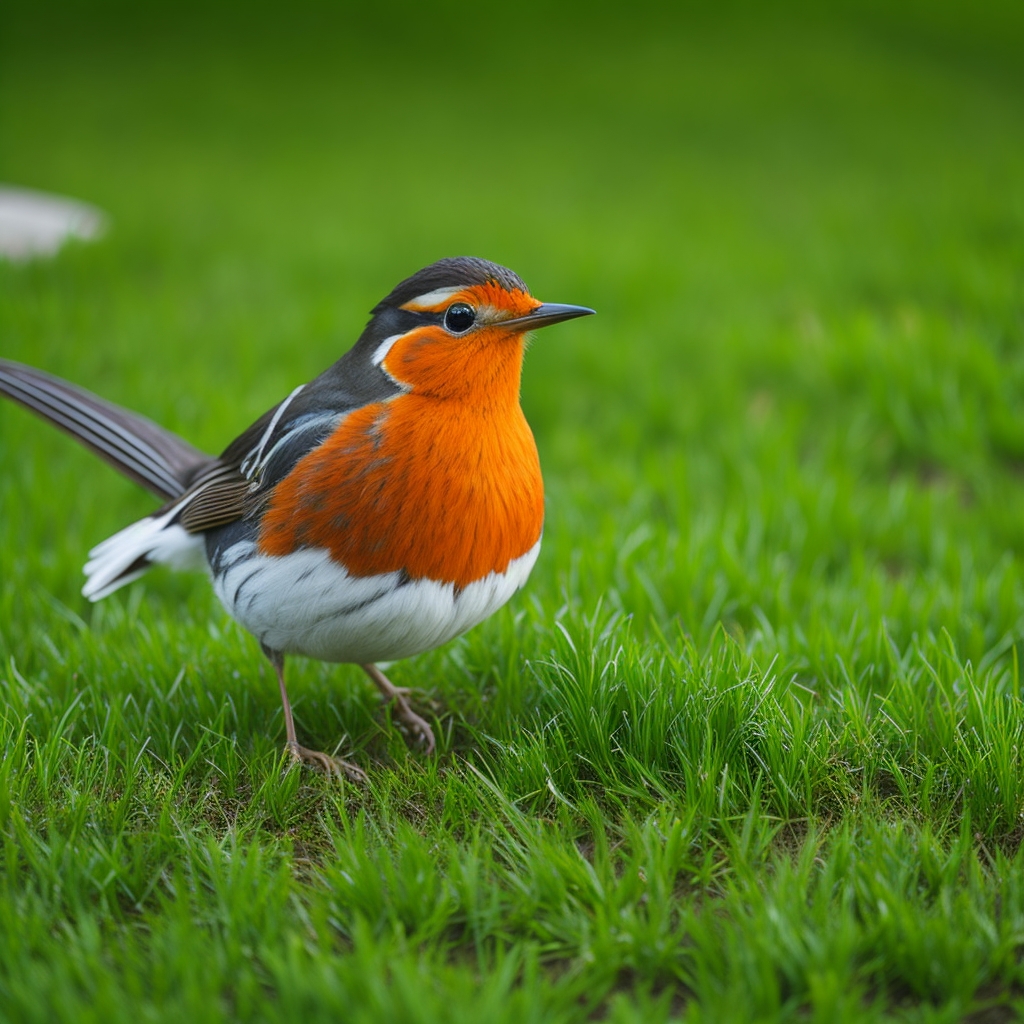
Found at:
(414, 725)
(331, 765)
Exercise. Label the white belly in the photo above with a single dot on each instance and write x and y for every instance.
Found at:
(304, 603)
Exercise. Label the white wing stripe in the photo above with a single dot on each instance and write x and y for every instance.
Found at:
(252, 461)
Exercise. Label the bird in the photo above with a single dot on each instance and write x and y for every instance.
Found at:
(380, 510)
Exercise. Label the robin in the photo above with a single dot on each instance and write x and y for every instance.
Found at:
(379, 511)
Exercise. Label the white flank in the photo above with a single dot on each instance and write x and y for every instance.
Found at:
(151, 538)
(304, 603)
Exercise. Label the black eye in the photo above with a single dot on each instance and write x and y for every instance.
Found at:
(459, 318)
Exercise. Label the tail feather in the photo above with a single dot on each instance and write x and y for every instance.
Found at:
(148, 454)
(128, 554)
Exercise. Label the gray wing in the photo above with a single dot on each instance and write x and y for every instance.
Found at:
(208, 492)
(243, 478)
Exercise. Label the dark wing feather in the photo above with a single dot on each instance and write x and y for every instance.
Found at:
(220, 499)
(229, 492)
(210, 492)
(241, 481)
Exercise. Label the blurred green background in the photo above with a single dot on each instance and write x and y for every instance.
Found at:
(752, 733)
(803, 231)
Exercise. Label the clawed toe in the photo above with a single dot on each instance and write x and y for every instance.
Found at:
(298, 753)
(331, 765)
(417, 727)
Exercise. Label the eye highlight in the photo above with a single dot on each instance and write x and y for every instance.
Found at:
(459, 317)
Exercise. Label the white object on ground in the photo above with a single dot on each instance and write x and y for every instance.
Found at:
(37, 223)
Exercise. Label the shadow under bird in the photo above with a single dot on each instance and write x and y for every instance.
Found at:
(378, 511)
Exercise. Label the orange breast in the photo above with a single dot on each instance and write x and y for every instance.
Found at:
(441, 489)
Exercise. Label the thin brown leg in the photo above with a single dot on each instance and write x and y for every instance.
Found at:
(417, 727)
(300, 754)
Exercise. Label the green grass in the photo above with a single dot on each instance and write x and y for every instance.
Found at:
(748, 748)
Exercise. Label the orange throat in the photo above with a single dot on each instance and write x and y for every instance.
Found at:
(442, 488)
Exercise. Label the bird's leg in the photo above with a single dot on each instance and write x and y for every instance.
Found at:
(416, 726)
(300, 754)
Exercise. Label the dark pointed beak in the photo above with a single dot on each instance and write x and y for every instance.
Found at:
(546, 313)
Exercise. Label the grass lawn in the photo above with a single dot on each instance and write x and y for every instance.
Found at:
(748, 747)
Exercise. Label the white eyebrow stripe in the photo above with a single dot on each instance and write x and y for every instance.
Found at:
(434, 298)
(380, 353)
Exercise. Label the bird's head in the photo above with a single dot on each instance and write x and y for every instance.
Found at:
(457, 329)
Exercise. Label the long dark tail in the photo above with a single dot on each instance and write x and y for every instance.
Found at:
(146, 453)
